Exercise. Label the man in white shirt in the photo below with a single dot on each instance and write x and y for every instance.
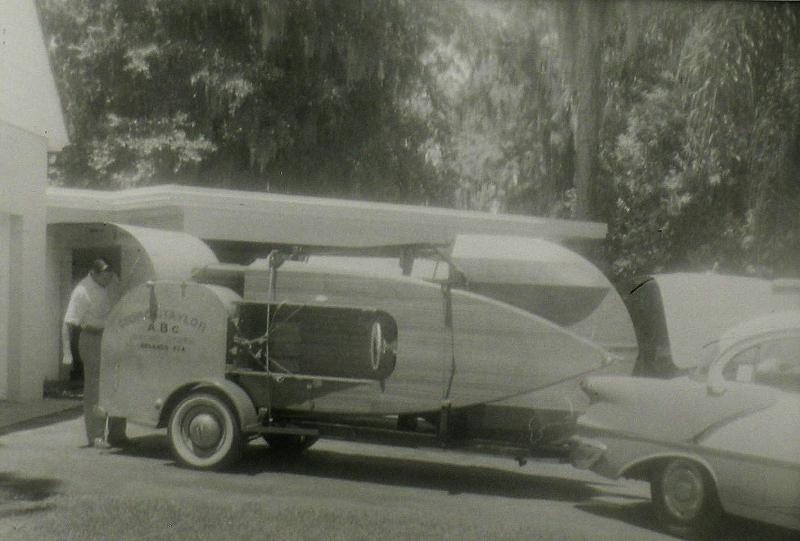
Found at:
(89, 305)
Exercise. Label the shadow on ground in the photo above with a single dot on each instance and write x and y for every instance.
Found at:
(459, 479)
(63, 389)
(16, 492)
(45, 420)
(641, 514)
(454, 479)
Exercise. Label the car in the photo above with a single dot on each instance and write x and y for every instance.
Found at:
(724, 438)
(676, 314)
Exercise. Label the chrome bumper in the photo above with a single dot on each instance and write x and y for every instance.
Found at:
(585, 452)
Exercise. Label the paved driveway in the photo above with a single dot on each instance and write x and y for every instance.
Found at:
(51, 488)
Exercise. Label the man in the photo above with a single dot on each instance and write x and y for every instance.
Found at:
(89, 305)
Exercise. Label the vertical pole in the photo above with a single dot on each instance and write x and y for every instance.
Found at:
(271, 261)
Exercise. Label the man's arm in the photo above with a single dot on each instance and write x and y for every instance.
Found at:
(76, 309)
(66, 344)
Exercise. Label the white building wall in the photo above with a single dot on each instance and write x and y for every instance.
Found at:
(24, 353)
(28, 95)
(5, 299)
(58, 287)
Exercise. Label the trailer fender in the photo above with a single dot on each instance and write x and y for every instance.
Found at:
(239, 399)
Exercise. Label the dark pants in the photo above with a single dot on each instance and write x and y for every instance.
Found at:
(76, 374)
(89, 346)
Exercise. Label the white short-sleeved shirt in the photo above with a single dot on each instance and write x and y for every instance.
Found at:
(90, 303)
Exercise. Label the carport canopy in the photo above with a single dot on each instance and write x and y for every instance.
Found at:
(147, 254)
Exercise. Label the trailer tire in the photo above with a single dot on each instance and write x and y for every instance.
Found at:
(204, 432)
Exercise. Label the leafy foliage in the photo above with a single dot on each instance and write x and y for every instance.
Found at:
(685, 139)
(740, 67)
(279, 95)
(701, 143)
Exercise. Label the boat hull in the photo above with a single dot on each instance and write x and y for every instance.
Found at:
(451, 346)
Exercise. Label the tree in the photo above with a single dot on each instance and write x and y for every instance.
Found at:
(677, 126)
(581, 27)
(276, 95)
(740, 66)
(505, 128)
(706, 143)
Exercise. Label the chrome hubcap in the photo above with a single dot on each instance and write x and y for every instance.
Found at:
(683, 490)
(205, 430)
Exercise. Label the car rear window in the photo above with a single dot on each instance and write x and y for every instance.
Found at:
(774, 362)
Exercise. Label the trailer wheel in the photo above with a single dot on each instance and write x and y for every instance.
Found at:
(204, 432)
(289, 443)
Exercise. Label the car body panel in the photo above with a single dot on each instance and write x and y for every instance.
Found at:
(747, 486)
(764, 449)
(681, 398)
(746, 434)
(676, 315)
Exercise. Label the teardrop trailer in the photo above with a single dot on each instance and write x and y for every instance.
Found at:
(294, 350)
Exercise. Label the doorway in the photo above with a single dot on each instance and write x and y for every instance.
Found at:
(82, 259)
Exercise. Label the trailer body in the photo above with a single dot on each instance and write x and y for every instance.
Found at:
(295, 349)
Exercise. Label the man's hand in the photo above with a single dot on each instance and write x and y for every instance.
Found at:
(66, 360)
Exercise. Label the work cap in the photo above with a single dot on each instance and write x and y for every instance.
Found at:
(100, 265)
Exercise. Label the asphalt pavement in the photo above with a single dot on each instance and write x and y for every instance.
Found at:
(54, 488)
(57, 489)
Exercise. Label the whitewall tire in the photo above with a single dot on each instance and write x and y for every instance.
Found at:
(204, 432)
(685, 498)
